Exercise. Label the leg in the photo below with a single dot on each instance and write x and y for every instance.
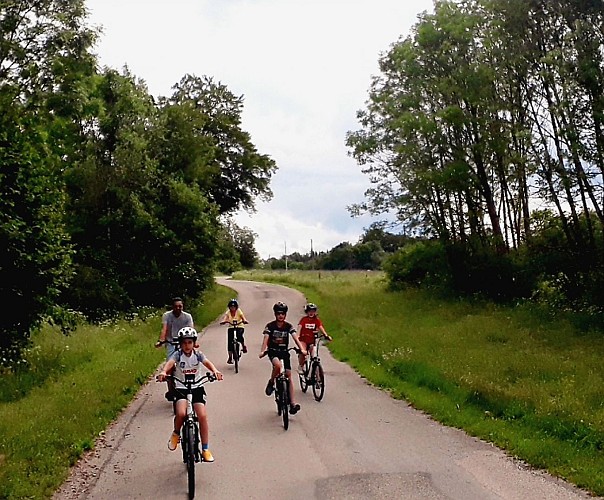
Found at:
(204, 431)
(301, 357)
(241, 340)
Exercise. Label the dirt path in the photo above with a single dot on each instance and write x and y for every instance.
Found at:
(357, 443)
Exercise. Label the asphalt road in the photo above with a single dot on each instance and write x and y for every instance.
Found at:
(358, 443)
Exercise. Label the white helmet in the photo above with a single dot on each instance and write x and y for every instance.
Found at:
(187, 332)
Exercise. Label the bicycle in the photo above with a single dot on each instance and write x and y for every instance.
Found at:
(313, 371)
(234, 340)
(282, 396)
(189, 434)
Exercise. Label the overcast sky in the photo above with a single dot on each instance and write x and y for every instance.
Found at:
(303, 68)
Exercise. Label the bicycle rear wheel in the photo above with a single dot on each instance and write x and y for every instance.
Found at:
(190, 454)
(318, 379)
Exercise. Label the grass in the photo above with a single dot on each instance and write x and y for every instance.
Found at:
(71, 389)
(530, 382)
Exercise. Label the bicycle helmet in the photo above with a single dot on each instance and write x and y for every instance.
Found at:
(233, 302)
(187, 332)
(280, 307)
(310, 307)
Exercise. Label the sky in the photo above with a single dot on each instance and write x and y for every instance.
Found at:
(304, 69)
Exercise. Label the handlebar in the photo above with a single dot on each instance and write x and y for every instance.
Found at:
(234, 322)
(208, 377)
(264, 353)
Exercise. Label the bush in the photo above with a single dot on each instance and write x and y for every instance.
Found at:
(422, 263)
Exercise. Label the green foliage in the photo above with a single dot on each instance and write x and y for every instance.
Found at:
(421, 263)
(106, 363)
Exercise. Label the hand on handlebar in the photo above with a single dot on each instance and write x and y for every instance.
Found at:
(159, 343)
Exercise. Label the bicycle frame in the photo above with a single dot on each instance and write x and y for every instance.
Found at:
(189, 433)
(313, 371)
(282, 395)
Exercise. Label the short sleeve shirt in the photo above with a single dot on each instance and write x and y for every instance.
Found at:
(238, 316)
(308, 327)
(278, 337)
(188, 365)
(176, 323)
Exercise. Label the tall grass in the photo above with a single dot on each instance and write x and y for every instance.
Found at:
(528, 381)
(72, 387)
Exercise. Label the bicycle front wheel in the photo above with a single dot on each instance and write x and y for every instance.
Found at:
(190, 454)
(285, 405)
(318, 378)
(236, 355)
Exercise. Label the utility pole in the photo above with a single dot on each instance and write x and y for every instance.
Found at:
(286, 255)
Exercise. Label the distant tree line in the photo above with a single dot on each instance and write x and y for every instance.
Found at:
(484, 134)
(110, 199)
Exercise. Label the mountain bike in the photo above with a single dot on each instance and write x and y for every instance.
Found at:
(189, 434)
(313, 375)
(282, 396)
(235, 333)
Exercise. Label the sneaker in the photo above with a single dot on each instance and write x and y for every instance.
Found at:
(230, 361)
(169, 396)
(293, 409)
(269, 388)
(206, 456)
(173, 441)
(244, 349)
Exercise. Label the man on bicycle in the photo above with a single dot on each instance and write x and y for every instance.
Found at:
(172, 321)
(309, 324)
(234, 313)
(275, 344)
(187, 361)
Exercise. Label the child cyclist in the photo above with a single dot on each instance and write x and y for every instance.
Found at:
(188, 361)
(308, 325)
(233, 313)
(275, 344)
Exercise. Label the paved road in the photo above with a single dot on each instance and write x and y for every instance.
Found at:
(358, 443)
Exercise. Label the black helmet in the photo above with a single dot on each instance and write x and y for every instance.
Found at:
(280, 307)
(310, 307)
(233, 302)
(187, 332)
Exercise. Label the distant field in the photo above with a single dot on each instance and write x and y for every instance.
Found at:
(530, 383)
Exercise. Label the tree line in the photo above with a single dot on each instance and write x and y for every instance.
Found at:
(484, 134)
(110, 199)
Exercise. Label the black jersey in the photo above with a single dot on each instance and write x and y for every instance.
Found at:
(278, 337)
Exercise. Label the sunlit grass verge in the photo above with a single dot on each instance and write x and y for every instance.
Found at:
(527, 381)
(48, 419)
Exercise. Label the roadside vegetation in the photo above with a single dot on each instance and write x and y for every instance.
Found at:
(70, 388)
(528, 380)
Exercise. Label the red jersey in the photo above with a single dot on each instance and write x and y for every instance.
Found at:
(308, 327)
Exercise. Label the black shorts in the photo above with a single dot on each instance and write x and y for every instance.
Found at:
(281, 354)
(199, 395)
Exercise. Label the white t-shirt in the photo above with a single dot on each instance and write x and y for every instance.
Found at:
(188, 365)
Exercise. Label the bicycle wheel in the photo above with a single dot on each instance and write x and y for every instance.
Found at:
(278, 397)
(318, 387)
(236, 355)
(285, 404)
(190, 440)
(303, 379)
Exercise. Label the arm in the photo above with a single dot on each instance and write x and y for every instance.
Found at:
(167, 367)
(324, 333)
(264, 345)
(297, 342)
(162, 336)
(210, 366)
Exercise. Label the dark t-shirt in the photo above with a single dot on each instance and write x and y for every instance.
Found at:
(278, 338)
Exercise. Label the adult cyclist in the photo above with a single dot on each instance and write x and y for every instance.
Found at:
(275, 343)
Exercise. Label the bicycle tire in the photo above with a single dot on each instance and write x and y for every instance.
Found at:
(303, 378)
(278, 397)
(236, 355)
(318, 379)
(285, 404)
(190, 438)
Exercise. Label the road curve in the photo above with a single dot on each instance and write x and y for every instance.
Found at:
(358, 443)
